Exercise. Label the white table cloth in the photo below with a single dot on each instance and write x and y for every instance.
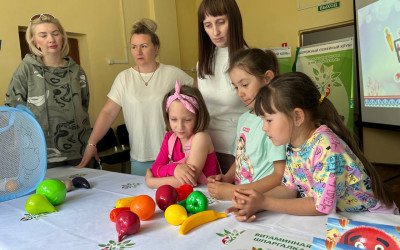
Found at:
(82, 220)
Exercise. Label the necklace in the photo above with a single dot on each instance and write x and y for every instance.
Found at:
(146, 83)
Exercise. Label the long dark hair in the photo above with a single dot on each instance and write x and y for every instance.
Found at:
(255, 62)
(296, 90)
(235, 34)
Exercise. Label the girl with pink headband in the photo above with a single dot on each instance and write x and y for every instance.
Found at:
(187, 155)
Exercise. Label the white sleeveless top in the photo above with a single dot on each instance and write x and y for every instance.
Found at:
(222, 102)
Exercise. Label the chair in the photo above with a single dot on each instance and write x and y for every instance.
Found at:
(109, 141)
(123, 138)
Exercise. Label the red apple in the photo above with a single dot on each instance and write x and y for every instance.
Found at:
(166, 195)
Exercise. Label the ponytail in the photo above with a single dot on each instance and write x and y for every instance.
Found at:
(255, 62)
(296, 90)
(329, 116)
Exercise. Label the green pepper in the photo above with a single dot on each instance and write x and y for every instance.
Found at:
(196, 202)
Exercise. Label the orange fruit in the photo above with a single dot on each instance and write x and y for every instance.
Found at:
(144, 206)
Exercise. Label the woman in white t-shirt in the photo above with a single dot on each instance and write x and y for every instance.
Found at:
(138, 91)
(220, 35)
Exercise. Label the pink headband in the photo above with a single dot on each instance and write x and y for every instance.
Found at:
(187, 101)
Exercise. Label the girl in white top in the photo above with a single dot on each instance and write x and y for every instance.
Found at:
(220, 35)
(138, 91)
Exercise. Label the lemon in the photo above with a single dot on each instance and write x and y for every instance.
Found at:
(175, 214)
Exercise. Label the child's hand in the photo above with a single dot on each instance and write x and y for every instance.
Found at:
(234, 211)
(149, 174)
(149, 178)
(221, 190)
(246, 204)
(214, 178)
(186, 174)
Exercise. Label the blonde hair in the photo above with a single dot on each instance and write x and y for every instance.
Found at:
(146, 26)
(30, 34)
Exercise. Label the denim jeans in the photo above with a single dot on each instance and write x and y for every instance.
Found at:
(140, 167)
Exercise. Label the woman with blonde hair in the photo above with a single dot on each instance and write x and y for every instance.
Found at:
(55, 89)
(138, 91)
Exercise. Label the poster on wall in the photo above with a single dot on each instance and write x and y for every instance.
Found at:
(330, 66)
(284, 55)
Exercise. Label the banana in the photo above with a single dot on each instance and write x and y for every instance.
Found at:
(125, 202)
(198, 219)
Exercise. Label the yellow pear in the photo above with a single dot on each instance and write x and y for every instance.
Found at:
(38, 204)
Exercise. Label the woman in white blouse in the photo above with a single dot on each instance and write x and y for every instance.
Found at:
(138, 91)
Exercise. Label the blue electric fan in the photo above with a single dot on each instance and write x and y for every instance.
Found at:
(22, 152)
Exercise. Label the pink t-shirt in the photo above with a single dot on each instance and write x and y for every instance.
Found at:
(163, 168)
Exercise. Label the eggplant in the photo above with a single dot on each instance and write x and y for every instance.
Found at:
(80, 182)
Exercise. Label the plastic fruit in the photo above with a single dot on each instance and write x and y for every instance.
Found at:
(127, 223)
(11, 186)
(175, 214)
(80, 182)
(166, 195)
(38, 204)
(116, 211)
(54, 190)
(144, 206)
(182, 203)
(198, 219)
(124, 202)
(184, 191)
(196, 202)
(68, 184)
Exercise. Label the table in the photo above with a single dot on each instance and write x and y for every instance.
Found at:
(82, 220)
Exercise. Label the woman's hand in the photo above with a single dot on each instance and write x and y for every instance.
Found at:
(90, 152)
(246, 203)
(221, 190)
(186, 174)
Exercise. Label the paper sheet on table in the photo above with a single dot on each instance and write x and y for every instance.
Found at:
(255, 239)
